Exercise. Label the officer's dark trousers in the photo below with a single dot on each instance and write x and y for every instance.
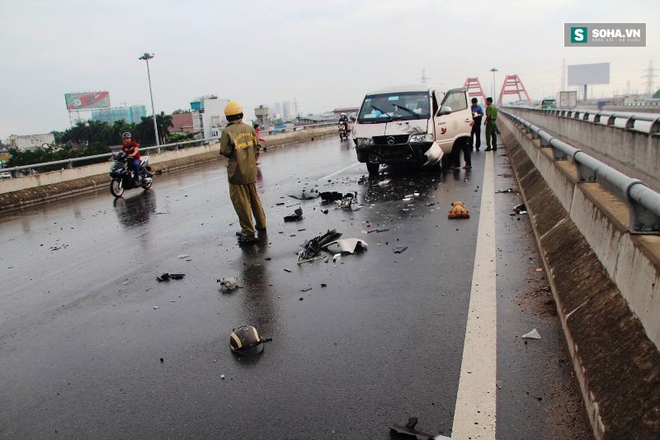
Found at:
(246, 202)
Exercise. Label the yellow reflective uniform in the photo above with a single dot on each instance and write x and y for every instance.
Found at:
(239, 143)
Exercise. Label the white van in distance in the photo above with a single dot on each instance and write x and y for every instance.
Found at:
(414, 124)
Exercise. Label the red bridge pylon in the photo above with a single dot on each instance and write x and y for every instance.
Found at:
(473, 87)
(513, 85)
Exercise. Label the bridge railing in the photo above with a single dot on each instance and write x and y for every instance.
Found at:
(70, 163)
(643, 202)
(650, 122)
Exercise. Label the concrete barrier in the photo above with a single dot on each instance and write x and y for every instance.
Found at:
(634, 153)
(31, 190)
(606, 284)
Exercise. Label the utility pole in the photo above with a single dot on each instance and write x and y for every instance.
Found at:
(649, 79)
(146, 57)
(493, 94)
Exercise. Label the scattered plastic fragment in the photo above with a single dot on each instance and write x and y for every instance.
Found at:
(336, 257)
(183, 256)
(228, 283)
(458, 210)
(313, 247)
(520, 209)
(307, 289)
(349, 202)
(296, 216)
(156, 307)
(378, 230)
(287, 270)
(330, 196)
(171, 276)
(534, 334)
(409, 429)
(348, 245)
(509, 190)
(400, 249)
(307, 193)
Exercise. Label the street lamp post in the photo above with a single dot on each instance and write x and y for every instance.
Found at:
(146, 57)
(493, 95)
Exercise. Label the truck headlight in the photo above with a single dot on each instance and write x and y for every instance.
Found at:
(420, 138)
(364, 142)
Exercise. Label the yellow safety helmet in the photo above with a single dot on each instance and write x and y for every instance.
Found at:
(233, 108)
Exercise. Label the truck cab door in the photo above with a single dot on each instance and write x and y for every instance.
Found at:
(453, 119)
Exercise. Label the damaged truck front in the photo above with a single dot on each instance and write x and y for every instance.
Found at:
(415, 125)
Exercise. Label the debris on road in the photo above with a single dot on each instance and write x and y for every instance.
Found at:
(349, 202)
(171, 276)
(228, 283)
(534, 334)
(287, 270)
(400, 249)
(378, 230)
(306, 194)
(307, 289)
(296, 216)
(245, 341)
(330, 197)
(348, 245)
(312, 248)
(519, 209)
(510, 190)
(409, 429)
(458, 210)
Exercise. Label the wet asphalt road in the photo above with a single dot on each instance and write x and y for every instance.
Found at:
(93, 346)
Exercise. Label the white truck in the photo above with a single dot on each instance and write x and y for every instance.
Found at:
(415, 124)
(567, 99)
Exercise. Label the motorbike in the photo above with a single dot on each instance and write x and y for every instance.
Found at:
(122, 174)
(343, 131)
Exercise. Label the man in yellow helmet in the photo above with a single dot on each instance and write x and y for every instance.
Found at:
(239, 143)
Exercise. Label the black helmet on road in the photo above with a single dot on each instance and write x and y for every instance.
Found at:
(245, 341)
(126, 135)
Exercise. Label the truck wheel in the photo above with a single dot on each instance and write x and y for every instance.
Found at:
(373, 168)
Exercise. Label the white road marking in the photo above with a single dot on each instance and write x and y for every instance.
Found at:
(340, 171)
(475, 414)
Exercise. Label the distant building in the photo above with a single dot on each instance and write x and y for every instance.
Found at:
(30, 142)
(182, 123)
(208, 115)
(132, 114)
(348, 110)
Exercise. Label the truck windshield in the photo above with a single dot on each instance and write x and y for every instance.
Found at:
(394, 106)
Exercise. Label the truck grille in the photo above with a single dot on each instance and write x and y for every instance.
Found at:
(391, 140)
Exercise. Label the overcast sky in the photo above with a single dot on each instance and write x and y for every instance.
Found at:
(322, 54)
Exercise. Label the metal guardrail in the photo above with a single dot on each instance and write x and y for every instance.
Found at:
(68, 163)
(643, 202)
(605, 117)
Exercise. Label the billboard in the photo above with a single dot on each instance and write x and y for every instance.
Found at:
(581, 74)
(87, 100)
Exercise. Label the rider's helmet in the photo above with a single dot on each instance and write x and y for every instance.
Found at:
(233, 111)
(245, 341)
(126, 135)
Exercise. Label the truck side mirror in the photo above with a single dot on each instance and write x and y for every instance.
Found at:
(444, 110)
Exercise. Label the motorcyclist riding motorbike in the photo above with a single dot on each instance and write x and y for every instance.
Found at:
(132, 149)
(343, 126)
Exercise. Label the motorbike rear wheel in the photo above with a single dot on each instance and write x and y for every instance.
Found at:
(117, 187)
(146, 183)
